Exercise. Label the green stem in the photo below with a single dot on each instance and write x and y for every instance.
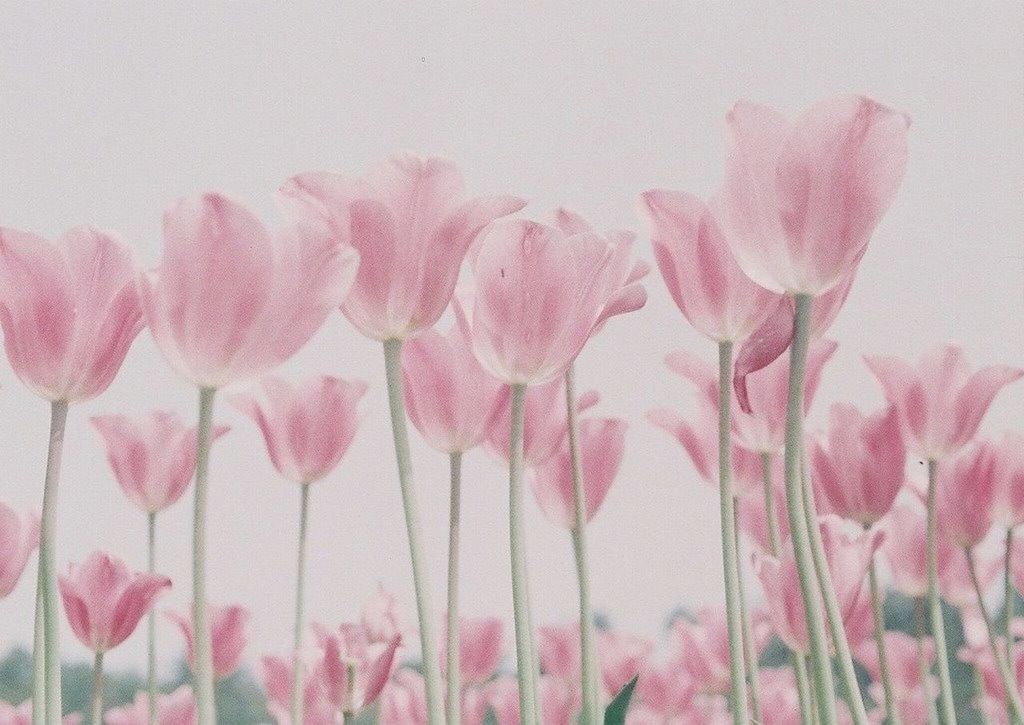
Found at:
(151, 621)
(797, 521)
(454, 663)
(920, 617)
(1008, 594)
(883, 657)
(934, 604)
(203, 669)
(749, 645)
(39, 659)
(424, 610)
(97, 689)
(300, 587)
(803, 688)
(771, 514)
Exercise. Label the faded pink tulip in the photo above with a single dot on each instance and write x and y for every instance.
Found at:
(540, 295)
(104, 601)
(601, 442)
(621, 656)
(411, 225)
(404, 699)
(698, 267)
(663, 691)
(965, 495)
(941, 402)
(450, 398)
(277, 676)
(231, 300)
(480, 649)
(559, 704)
(702, 647)
(69, 310)
(19, 537)
(860, 466)
(801, 199)
(153, 457)
(902, 654)
(371, 664)
(380, 619)
(753, 517)
(228, 634)
(307, 426)
(993, 695)
(1008, 510)
(176, 708)
(22, 714)
(1017, 565)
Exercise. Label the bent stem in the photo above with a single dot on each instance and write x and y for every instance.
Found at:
(934, 605)
(428, 641)
(454, 664)
(300, 586)
(151, 621)
(203, 668)
(883, 657)
(97, 689)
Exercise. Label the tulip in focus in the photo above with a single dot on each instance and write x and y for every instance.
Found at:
(228, 630)
(19, 537)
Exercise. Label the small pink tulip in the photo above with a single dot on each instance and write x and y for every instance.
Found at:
(404, 700)
(277, 676)
(153, 457)
(601, 442)
(349, 648)
(69, 310)
(621, 657)
(965, 495)
(480, 649)
(176, 708)
(702, 647)
(307, 427)
(1008, 510)
(664, 690)
(753, 517)
(380, 618)
(104, 601)
(411, 225)
(22, 715)
(19, 537)
(698, 267)
(231, 300)
(228, 632)
(801, 199)
(559, 704)
(980, 657)
(941, 402)
(902, 653)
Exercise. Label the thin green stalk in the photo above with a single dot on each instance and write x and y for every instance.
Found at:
(935, 606)
(454, 663)
(808, 715)
(920, 617)
(39, 661)
(348, 710)
(526, 658)
(421, 580)
(821, 665)
(300, 587)
(151, 623)
(591, 706)
(749, 645)
(97, 689)
(883, 658)
(1008, 594)
(203, 669)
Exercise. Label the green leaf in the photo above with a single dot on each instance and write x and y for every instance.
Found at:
(615, 713)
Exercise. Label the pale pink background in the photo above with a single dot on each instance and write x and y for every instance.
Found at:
(109, 110)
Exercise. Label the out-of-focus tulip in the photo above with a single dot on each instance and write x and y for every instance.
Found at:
(278, 676)
(22, 715)
(380, 618)
(941, 402)
(228, 632)
(992, 699)
(559, 704)
(480, 649)
(753, 516)
(176, 708)
(911, 692)
(69, 310)
(19, 537)
(404, 700)
(622, 656)
(702, 647)
(104, 601)
(346, 652)
(1008, 510)
(663, 691)
(153, 457)
(965, 495)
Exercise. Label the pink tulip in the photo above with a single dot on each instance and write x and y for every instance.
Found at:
(994, 693)
(540, 295)
(380, 618)
(860, 466)
(558, 647)
(753, 517)
(22, 715)
(664, 690)
(228, 632)
(404, 700)
(176, 708)
(941, 402)
(698, 267)
(965, 495)
(69, 310)
(19, 537)
(307, 427)
(902, 653)
(1008, 510)
(480, 648)
(278, 677)
(601, 442)
(801, 199)
(153, 457)
(702, 647)
(370, 663)
(1017, 565)
(450, 399)
(104, 601)
(622, 657)
(558, 703)
(231, 300)
(411, 225)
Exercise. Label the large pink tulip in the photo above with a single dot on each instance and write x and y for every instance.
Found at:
(232, 300)
(175, 708)
(698, 267)
(480, 649)
(801, 198)
(104, 601)
(412, 226)
(69, 310)
(19, 537)
(1008, 510)
(228, 632)
(941, 402)
(153, 457)
(702, 647)
(966, 494)
(22, 715)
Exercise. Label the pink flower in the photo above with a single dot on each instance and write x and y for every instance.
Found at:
(370, 663)
(801, 199)
(153, 457)
(19, 537)
(860, 466)
(601, 441)
(404, 700)
(1009, 473)
(22, 714)
(702, 647)
(701, 274)
(941, 402)
(753, 517)
(176, 708)
(228, 633)
(412, 227)
(380, 619)
(965, 495)
(902, 653)
(69, 310)
(277, 675)
(451, 399)
(230, 300)
(664, 690)
(104, 601)
(480, 644)
(1017, 565)
(621, 657)
(540, 295)
(307, 427)
(981, 659)
(558, 702)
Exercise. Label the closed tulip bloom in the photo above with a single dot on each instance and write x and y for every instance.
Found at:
(801, 198)
(153, 457)
(941, 402)
(1008, 510)
(706, 283)
(175, 708)
(104, 600)
(232, 300)
(480, 649)
(22, 714)
(966, 494)
(702, 647)
(19, 537)
(860, 466)
(69, 310)
(228, 632)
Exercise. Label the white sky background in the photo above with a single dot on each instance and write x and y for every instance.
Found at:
(109, 111)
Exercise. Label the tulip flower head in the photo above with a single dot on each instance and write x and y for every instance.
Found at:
(19, 537)
(965, 495)
(702, 647)
(228, 633)
(175, 708)
(404, 699)
(1008, 510)
(480, 649)
(352, 669)
(22, 715)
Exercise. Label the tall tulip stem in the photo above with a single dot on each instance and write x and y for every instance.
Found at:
(920, 624)
(97, 689)
(454, 664)
(934, 605)
(300, 586)
(151, 621)
(1008, 593)
(424, 610)
(203, 668)
(749, 643)
(883, 658)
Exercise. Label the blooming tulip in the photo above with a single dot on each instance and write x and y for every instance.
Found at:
(175, 708)
(317, 709)
(353, 670)
(558, 703)
(702, 648)
(19, 537)
(967, 477)
(228, 626)
(480, 647)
